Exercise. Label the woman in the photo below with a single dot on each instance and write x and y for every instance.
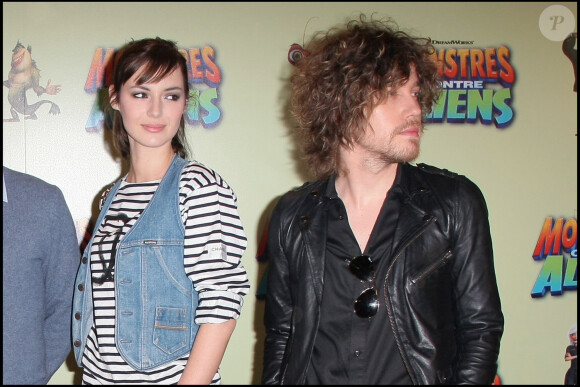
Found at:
(160, 285)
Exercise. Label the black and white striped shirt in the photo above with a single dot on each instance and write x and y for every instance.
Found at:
(209, 213)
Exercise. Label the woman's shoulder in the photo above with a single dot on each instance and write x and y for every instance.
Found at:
(199, 175)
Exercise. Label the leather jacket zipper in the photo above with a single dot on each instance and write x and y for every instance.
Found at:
(433, 266)
(388, 305)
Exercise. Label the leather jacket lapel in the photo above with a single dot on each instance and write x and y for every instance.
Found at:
(413, 219)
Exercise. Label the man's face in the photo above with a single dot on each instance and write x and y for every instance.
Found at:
(394, 130)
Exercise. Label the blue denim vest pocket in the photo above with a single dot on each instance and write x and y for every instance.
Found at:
(155, 296)
(170, 330)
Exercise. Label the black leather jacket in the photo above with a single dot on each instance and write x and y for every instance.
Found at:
(442, 296)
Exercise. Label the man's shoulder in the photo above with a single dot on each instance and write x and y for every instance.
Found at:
(295, 198)
(433, 170)
(442, 181)
(437, 176)
(308, 189)
(20, 184)
(25, 179)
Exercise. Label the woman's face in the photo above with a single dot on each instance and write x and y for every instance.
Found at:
(151, 112)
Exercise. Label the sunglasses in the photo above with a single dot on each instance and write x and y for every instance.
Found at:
(367, 303)
(108, 269)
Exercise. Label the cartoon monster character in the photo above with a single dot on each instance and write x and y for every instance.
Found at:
(296, 52)
(24, 75)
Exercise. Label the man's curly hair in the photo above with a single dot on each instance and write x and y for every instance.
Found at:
(343, 74)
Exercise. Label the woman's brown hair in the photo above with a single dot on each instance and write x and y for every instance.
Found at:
(159, 57)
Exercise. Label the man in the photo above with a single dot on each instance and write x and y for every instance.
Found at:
(40, 259)
(381, 272)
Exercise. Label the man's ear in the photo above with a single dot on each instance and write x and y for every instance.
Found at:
(113, 100)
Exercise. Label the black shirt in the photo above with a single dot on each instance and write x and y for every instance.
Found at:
(349, 349)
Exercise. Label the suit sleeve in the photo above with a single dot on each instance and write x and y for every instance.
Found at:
(63, 258)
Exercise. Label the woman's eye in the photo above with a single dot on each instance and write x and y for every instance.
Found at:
(173, 97)
(139, 95)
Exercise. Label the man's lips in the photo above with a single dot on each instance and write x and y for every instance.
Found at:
(412, 131)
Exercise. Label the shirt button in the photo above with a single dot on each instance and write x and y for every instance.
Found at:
(357, 353)
(340, 217)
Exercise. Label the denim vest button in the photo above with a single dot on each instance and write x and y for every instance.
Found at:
(81, 287)
(77, 316)
(77, 343)
(84, 260)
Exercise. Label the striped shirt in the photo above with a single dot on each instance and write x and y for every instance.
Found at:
(209, 212)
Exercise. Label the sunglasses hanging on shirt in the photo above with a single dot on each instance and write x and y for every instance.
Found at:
(108, 268)
(367, 303)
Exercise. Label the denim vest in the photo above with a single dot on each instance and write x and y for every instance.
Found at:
(155, 302)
